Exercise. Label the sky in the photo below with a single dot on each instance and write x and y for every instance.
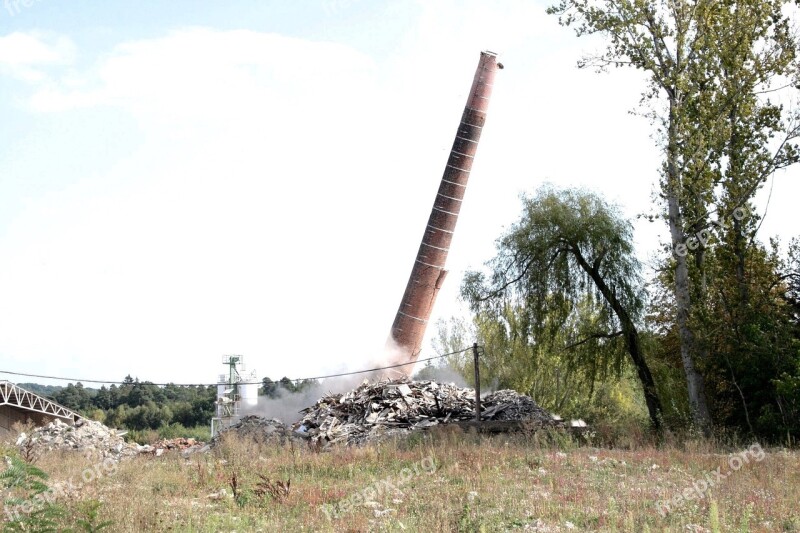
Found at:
(187, 179)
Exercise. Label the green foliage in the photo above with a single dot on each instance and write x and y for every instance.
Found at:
(23, 477)
(470, 519)
(74, 397)
(748, 325)
(718, 72)
(749, 330)
(41, 390)
(174, 430)
(558, 381)
(559, 307)
(269, 388)
(149, 416)
(170, 431)
(539, 261)
(89, 520)
(713, 516)
(30, 505)
(275, 389)
(140, 405)
(142, 436)
(27, 506)
(669, 375)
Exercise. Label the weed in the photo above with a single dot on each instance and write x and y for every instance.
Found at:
(713, 516)
(279, 490)
(89, 521)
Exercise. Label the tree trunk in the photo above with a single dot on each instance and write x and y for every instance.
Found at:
(695, 382)
(631, 335)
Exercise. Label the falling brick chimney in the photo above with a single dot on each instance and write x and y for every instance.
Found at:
(428, 272)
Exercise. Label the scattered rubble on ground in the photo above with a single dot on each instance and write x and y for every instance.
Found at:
(89, 437)
(186, 446)
(376, 410)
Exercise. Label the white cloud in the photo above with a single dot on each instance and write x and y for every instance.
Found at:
(36, 48)
(198, 73)
(248, 221)
(26, 56)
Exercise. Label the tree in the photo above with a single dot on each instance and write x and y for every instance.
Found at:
(753, 340)
(709, 64)
(74, 397)
(287, 384)
(569, 256)
(304, 385)
(140, 394)
(102, 399)
(148, 416)
(269, 388)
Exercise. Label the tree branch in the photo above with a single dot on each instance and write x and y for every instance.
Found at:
(595, 336)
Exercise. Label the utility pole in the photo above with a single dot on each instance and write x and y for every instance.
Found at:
(477, 384)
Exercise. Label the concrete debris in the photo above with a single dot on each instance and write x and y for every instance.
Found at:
(180, 443)
(374, 411)
(219, 495)
(507, 404)
(262, 430)
(91, 438)
(186, 446)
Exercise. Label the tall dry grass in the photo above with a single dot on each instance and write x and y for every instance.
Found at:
(533, 481)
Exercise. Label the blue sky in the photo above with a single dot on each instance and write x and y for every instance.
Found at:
(181, 180)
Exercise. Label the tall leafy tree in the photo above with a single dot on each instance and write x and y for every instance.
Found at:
(74, 396)
(570, 255)
(752, 340)
(269, 388)
(711, 66)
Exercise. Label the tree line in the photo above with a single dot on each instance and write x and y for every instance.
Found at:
(141, 405)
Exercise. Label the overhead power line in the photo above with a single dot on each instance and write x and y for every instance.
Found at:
(296, 380)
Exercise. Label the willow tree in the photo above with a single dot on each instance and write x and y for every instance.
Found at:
(712, 66)
(569, 254)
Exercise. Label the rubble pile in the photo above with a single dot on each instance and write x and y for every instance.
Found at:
(91, 438)
(184, 445)
(258, 428)
(508, 404)
(375, 410)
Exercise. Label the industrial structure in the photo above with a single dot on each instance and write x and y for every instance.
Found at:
(428, 272)
(236, 390)
(20, 405)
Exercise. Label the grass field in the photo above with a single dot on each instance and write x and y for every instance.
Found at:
(441, 481)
